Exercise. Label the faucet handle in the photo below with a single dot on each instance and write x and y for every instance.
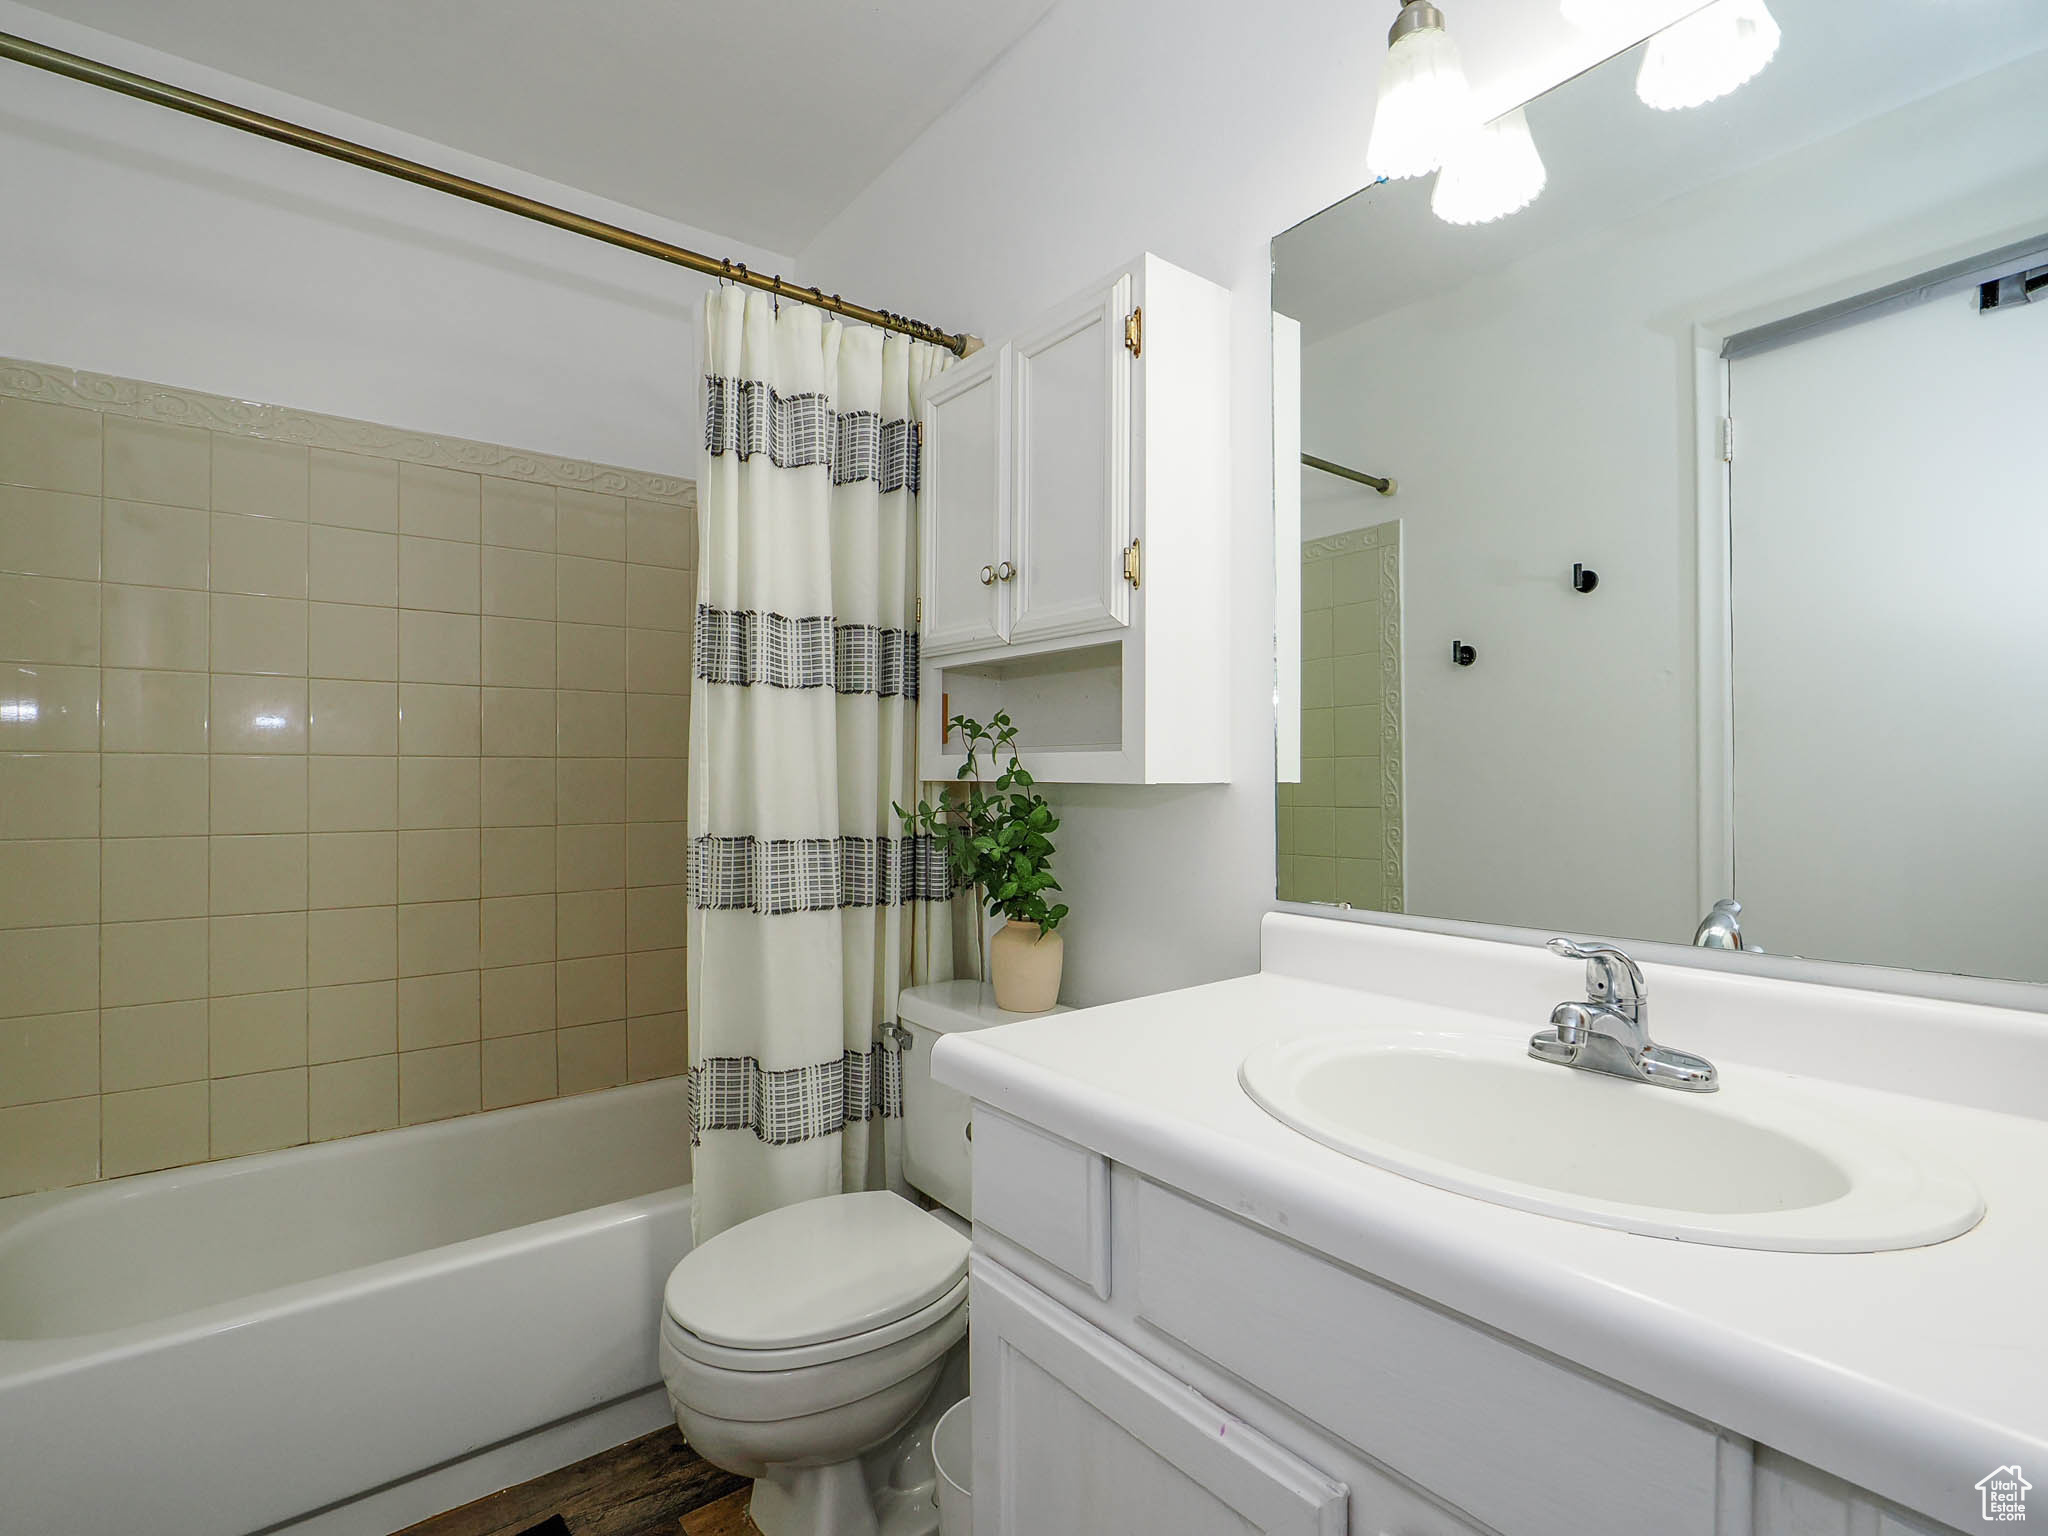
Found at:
(1611, 976)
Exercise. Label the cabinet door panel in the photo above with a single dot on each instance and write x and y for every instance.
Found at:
(1077, 1435)
(1443, 1403)
(1072, 516)
(965, 503)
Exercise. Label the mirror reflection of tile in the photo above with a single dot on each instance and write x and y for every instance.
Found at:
(1339, 829)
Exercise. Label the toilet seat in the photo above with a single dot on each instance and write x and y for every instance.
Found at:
(770, 1391)
(826, 1273)
(723, 1357)
(808, 1311)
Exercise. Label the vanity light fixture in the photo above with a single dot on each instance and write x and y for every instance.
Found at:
(1708, 54)
(1425, 106)
(1493, 172)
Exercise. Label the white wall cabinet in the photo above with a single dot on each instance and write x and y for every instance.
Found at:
(1074, 536)
(1070, 421)
(1147, 1362)
(966, 471)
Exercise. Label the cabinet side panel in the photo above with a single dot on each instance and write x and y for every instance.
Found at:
(1181, 460)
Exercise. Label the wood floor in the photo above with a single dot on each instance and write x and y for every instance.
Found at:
(653, 1486)
(728, 1517)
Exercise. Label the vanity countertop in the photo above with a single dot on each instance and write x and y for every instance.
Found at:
(1911, 1373)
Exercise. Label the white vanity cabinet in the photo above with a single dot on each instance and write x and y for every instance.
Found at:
(1089, 1437)
(1074, 535)
(1145, 1362)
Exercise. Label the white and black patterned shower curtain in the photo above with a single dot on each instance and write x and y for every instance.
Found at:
(808, 904)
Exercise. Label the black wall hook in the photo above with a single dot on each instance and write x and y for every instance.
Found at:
(1462, 655)
(1584, 579)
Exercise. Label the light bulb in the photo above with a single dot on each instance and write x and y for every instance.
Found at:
(1492, 172)
(1425, 106)
(1707, 54)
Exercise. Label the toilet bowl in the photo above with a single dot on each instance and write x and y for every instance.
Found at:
(797, 1344)
(815, 1348)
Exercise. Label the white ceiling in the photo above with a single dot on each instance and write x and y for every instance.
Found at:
(757, 121)
(1609, 157)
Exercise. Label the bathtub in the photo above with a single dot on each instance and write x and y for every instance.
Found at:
(340, 1338)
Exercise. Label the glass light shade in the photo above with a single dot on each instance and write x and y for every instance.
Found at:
(1425, 106)
(1707, 55)
(1493, 172)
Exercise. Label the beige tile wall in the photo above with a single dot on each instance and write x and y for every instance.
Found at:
(338, 791)
(1339, 832)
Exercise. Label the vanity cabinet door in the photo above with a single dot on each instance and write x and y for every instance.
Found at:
(966, 503)
(1070, 399)
(1076, 1435)
(1790, 1498)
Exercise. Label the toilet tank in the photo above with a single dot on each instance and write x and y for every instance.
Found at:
(935, 1145)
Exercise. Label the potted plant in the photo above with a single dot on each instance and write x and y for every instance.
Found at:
(999, 840)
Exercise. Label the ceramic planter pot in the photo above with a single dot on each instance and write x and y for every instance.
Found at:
(1026, 967)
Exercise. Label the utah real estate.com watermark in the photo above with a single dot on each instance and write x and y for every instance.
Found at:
(2004, 1491)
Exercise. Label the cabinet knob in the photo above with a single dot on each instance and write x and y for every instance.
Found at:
(1005, 571)
(988, 575)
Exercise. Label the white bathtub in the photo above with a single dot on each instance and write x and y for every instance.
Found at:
(340, 1338)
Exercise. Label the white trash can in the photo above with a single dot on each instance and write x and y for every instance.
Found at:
(953, 1450)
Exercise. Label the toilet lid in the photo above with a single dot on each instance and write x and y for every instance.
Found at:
(825, 1269)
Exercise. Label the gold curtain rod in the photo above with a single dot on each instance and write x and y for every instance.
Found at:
(72, 66)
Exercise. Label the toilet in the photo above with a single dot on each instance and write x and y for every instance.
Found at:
(814, 1348)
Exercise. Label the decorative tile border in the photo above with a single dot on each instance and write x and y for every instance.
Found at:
(1386, 538)
(1379, 536)
(248, 418)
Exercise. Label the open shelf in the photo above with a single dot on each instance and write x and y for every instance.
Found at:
(1068, 706)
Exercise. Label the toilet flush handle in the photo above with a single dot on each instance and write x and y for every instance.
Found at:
(899, 1037)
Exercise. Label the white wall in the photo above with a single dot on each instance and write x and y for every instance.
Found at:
(144, 243)
(1197, 129)
(1544, 415)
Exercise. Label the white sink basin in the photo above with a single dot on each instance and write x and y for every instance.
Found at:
(1756, 1165)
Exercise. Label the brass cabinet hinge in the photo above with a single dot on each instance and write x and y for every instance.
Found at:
(1131, 562)
(1134, 331)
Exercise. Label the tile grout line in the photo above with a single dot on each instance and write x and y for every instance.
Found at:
(209, 796)
(99, 983)
(306, 840)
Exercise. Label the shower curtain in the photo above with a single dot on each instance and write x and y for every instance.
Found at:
(810, 909)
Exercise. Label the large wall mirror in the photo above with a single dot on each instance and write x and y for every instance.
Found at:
(1716, 560)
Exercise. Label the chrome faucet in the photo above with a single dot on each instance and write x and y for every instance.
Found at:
(1721, 928)
(1610, 1031)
